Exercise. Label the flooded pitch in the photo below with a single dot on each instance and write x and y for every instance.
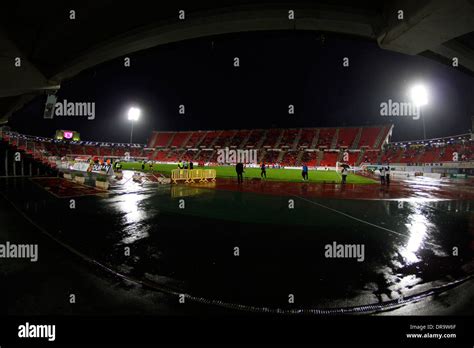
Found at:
(280, 248)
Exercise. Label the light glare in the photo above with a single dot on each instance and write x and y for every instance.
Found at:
(419, 95)
(134, 114)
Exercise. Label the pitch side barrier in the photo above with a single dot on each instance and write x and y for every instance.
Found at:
(193, 175)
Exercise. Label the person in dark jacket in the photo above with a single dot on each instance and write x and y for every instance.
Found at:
(239, 168)
(304, 172)
(263, 173)
(387, 175)
(344, 173)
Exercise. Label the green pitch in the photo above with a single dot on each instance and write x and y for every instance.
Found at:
(292, 175)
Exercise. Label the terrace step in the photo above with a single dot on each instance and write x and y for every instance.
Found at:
(153, 140)
(246, 139)
(229, 140)
(355, 144)
(379, 157)
(198, 153)
(340, 156)
(155, 153)
(183, 145)
(314, 143)
(297, 139)
(299, 157)
(211, 154)
(280, 156)
(262, 156)
(198, 143)
(259, 144)
(334, 139)
(278, 141)
(319, 158)
(361, 156)
(379, 138)
(168, 144)
(397, 159)
(215, 140)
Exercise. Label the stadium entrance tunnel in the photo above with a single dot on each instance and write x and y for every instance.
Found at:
(260, 253)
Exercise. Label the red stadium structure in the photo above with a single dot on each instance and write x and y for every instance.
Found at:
(317, 147)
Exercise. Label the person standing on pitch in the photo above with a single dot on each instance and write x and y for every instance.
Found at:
(239, 168)
(387, 175)
(191, 165)
(263, 173)
(344, 174)
(382, 175)
(304, 173)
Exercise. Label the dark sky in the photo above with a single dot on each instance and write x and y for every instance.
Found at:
(277, 69)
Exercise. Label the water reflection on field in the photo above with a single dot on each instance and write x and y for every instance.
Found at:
(188, 235)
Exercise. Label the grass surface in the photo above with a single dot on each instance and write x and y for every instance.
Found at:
(291, 175)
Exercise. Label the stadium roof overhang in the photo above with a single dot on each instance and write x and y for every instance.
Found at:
(54, 48)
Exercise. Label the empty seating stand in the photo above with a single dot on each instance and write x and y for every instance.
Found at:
(160, 139)
(369, 136)
(346, 137)
(287, 147)
(326, 135)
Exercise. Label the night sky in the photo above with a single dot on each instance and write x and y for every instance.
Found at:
(276, 69)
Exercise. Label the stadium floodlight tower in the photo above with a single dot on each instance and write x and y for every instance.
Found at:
(419, 97)
(133, 116)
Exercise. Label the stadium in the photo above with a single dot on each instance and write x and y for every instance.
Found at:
(430, 179)
(240, 205)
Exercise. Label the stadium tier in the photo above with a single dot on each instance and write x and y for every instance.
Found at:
(289, 158)
(275, 138)
(239, 138)
(329, 159)
(283, 146)
(210, 139)
(256, 136)
(271, 156)
(317, 147)
(224, 138)
(288, 138)
(307, 137)
(347, 137)
(326, 137)
(180, 138)
(196, 139)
